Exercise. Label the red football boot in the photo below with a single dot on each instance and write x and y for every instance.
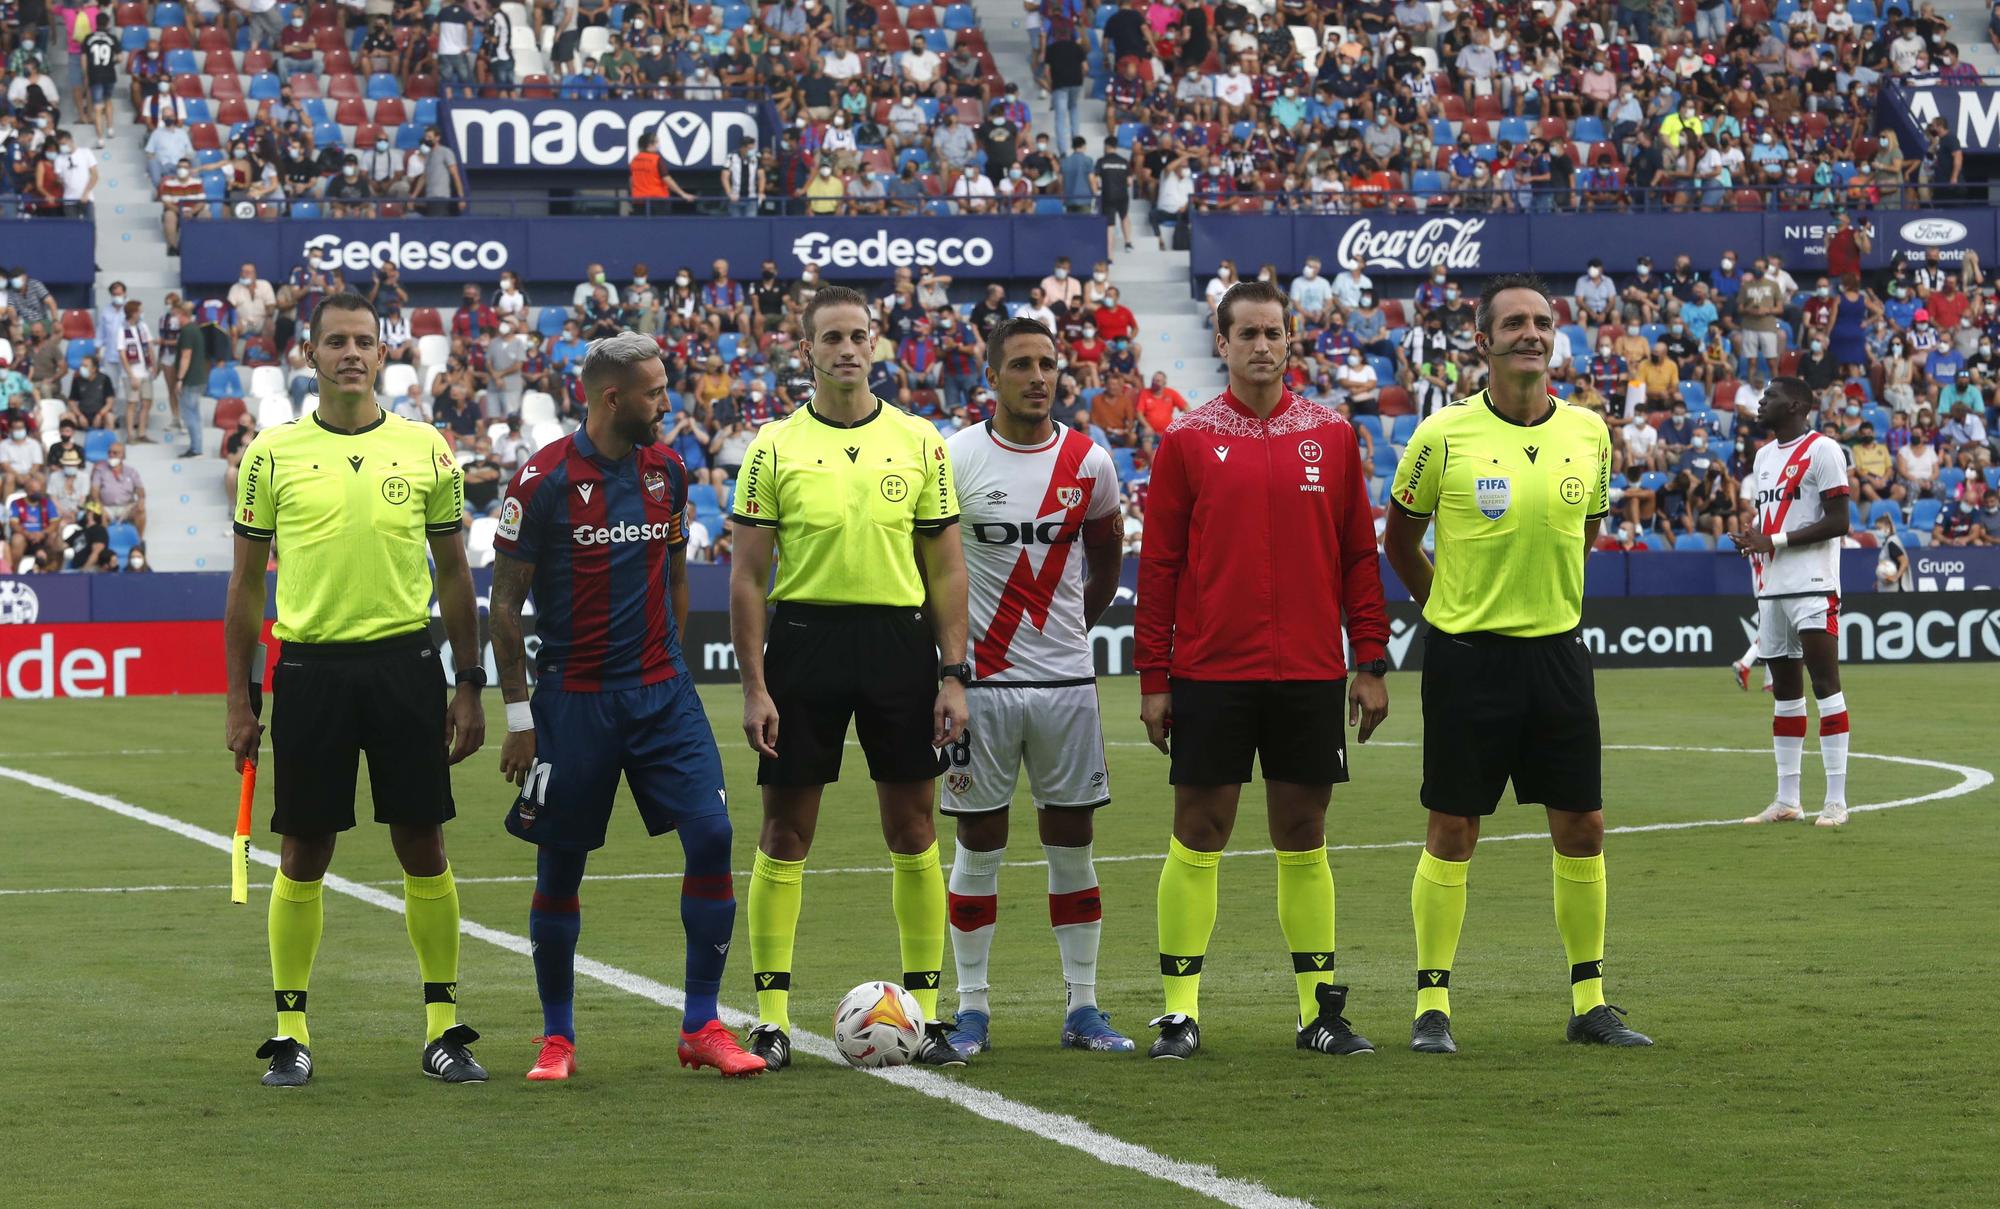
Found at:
(714, 1045)
(556, 1061)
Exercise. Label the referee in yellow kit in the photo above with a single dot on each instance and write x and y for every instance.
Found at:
(836, 494)
(1517, 482)
(357, 497)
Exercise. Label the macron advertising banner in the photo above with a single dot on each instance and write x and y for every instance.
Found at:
(53, 251)
(602, 136)
(557, 249)
(1556, 245)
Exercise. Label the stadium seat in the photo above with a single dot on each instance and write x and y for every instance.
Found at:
(48, 418)
(228, 412)
(398, 380)
(1924, 515)
(381, 86)
(1882, 508)
(549, 321)
(547, 433)
(960, 17)
(1404, 428)
(479, 540)
(537, 408)
(1691, 541)
(1694, 394)
(433, 350)
(425, 321)
(264, 87)
(267, 380)
(1993, 478)
(224, 383)
(221, 88)
(77, 350)
(1949, 481)
(97, 444)
(1653, 480)
(726, 345)
(183, 63)
(123, 537)
(1725, 544)
(1878, 416)
(1588, 129)
(273, 410)
(1395, 401)
(391, 112)
(1121, 461)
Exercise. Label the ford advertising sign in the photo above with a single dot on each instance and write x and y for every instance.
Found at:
(603, 136)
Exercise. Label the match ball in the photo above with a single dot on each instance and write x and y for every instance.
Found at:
(878, 1024)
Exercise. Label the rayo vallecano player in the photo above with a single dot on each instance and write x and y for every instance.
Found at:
(1799, 493)
(1031, 493)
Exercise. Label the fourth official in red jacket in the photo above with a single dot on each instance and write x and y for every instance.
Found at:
(1259, 542)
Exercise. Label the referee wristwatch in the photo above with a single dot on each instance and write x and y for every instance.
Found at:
(961, 672)
(474, 676)
(1374, 667)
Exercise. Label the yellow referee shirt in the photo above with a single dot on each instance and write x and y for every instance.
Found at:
(1510, 502)
(845, 500)
(352, 512)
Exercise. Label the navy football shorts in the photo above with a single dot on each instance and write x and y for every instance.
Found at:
(657, 736)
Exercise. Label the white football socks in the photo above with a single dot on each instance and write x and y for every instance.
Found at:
(1788, 741)
(1833, 744)
(1076, 913)
(973, 903)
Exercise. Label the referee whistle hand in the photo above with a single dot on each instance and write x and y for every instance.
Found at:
(760, 723)
(1156, 710)
(464, 725)
(948, 714)
(1367, 704)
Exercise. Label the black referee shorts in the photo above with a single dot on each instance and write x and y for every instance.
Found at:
(330, 702)
(824, 664)
(1497, 708)
(1295, 727)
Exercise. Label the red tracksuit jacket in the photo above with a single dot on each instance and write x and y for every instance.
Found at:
(1259, 538)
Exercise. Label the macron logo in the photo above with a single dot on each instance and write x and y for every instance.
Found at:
(528, 472)
(1222, 453)
(584, 489)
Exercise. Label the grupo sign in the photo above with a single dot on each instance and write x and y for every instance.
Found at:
(601, 136)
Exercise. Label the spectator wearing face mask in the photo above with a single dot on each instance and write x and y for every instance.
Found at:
(20, 455)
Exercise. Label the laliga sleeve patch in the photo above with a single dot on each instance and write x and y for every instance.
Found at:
(510, 519)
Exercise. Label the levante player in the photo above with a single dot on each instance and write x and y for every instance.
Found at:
(593, 523)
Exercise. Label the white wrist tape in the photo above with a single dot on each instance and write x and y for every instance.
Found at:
(1780, 540)
(519, 717)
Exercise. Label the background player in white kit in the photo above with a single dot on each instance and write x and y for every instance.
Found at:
(1800, 494)
(1031, 492)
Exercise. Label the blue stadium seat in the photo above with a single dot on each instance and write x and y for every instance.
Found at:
(1878, 416)
(409, 136)
(264, 86)
(169, 12)
(1692, 541)
(1913, 539)
(315, 110)
(78, 350)
(1587, 129)
(1127, 132)
(208, 155)
(1427, 183)
(1722, 424)
(930, 106)
(182, 63)
(959, 16)
(1653, 541)
(1993, 477)
(1381, 493)
(132, 37)
(1694, 394)
(198, 110)
(1385, 369)
(936, 39)
(1441, 133)
(550, 321)
(326, 134)
(1102, 16)
(913, 155)
(1385, 459)
(1882, 508)
(1725, 544)
(1485, 152)
(214, 185)
(1564, 390)
(1514, 130)
(124, 538)
(382, 86)
(1924, 515)
(1863, 12)
(1121, 460)
(425, 112)
(97, 444)
(1653, 480)
(223, 383)
(726, 345)
(1652, 331)
(1950, 479)
(736, 16)
(1579, 342)
(1374, 426)
(1404, 428)
(305, 210)
(1048, 205)
(1242, 130)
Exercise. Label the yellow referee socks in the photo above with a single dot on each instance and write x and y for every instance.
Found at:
(1437, 903)
(916, 891)
(430, 909)
(776, 890)
(294, 924)
(1187, 916)
(1305, 913)
(1580, 919)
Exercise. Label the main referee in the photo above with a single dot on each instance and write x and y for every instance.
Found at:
(837, 493)
(359, 497)
(1518, 483)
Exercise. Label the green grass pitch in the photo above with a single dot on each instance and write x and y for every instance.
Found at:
(1821, 999)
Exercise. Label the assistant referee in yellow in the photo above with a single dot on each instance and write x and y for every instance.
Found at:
(356, 497)
(1517, 482)
(837, 494)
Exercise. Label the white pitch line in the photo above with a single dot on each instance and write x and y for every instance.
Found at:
(1971, 780)
(1060, 1128)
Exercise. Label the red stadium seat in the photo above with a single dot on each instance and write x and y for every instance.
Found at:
(390, 111)
(1442, 160)
(425, 321)
(326, 41)
(204, 136)
(1554, 130)
(227, 413)
(337, 60)
(421, 87)
(343, 87)
(1488, 107)
(229, 113)
(1563, 314)
(1610, 333)
(323, 16)
(389, 210)
(351, 112)
(1479, 130)
(366, 134)
(212, 38)
(218, 63)
(1788, 362)
(1747, 200)
(1392, 310)
(189, 87)
(969, 111)
(921, 17)
(305, 87)
(534, 88)
(176, 37)
(1394, 401)
(225, 88)
(893, 41)
(974, 39)
(131, 14)
(1455, 109)
(78, 325)
(882, 112)
(876, 159)
(257, 62)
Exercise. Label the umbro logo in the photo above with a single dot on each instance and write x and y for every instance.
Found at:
(996, 496)
(853, 452)
(584, 490)
(1222, 453)
(355, 461)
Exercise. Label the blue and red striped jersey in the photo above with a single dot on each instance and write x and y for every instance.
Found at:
(599, 534)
